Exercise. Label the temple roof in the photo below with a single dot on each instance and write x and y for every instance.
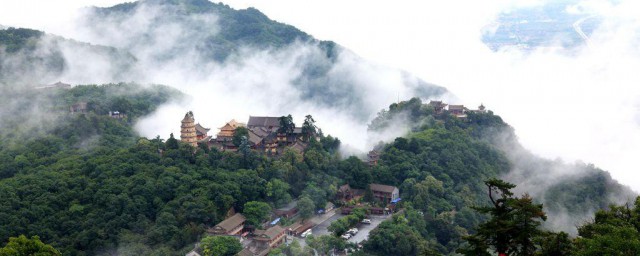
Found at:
(201, 129)
(232, 222)
(263, 121)
(270, 233)
(232, 125)
(437, 103)
(188, 117)
(456, 107)
(382, 188)
(254, 138)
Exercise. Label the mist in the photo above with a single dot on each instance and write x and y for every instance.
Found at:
(579, 104)
(574, 105)
(250, 81)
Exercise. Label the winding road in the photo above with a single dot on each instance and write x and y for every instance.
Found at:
(578, 29)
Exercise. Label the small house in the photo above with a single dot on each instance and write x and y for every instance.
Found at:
(288, 210)
(384, 193)
(272, 237)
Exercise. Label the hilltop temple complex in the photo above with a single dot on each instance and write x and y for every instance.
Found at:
(263, 135)
(459, 111)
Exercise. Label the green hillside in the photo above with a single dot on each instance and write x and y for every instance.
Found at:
(87, 184)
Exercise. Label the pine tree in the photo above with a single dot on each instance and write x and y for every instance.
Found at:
(513, 226)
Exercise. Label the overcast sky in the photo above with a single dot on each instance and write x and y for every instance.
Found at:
(583, 106)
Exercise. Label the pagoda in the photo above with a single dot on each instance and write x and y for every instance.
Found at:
(188, 130)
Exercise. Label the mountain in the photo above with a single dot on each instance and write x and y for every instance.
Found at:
(33, 58)
(88, 185)
(189, 43)
(201, 36)
(86, 182)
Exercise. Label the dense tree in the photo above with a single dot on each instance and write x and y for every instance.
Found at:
(308, 127)
(612, 232)
(256, 212)
(220, 246)
(513, 226)
(325, 244)
(395, 237)
(172, 143)
(22, 245)
(89, 184)
(278, 192)
(306, 207)
(286, 124)
(238, 134)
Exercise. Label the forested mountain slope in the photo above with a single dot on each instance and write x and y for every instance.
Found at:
(87, 185)
(441, 164)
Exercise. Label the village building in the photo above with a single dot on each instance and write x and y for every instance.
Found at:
(299, 227)
(80, 107)
(384, 193)
(230, 226)
(264, 240)
(271, 238)
(287, 211)
(345, 193)
(117, 114)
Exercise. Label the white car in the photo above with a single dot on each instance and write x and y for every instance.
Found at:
(346, 236)
(366, 221)
(353, 231)
(306, 233)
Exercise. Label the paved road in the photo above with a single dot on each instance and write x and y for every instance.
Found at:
(321, 228)
(578, 29)
(363, 229)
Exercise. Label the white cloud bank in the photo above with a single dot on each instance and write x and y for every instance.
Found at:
(579, 106)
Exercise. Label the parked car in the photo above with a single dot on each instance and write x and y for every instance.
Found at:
(366, 221)
(346, 236)
(306, 233)
(353, 231)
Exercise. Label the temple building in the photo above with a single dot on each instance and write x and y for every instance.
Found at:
(458, 110)
(271, 123)
(201, 133)
(438, 106)
(188, 130)
(224, 138)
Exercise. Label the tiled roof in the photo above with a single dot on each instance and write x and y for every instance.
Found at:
(264, 121)
(382, 188)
